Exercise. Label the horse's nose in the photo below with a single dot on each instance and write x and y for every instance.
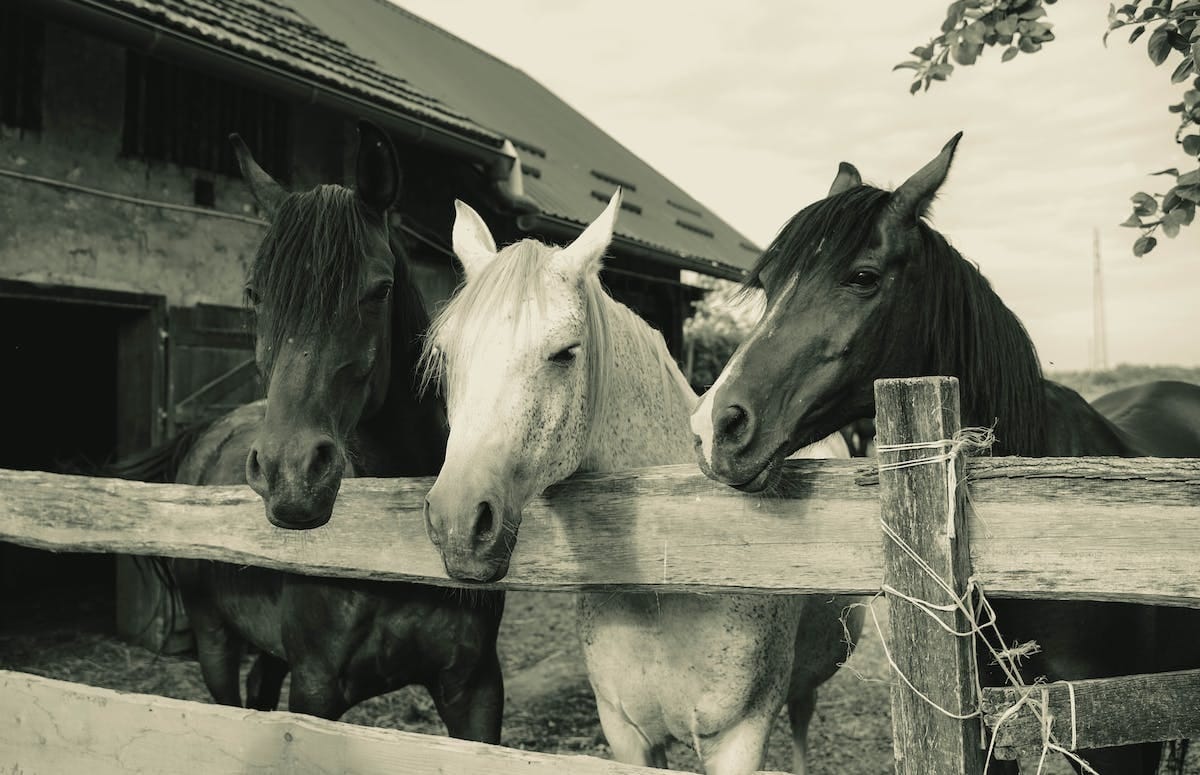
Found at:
(297, 475)
(733, 428)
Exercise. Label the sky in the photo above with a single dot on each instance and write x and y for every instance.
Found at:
(750, 106)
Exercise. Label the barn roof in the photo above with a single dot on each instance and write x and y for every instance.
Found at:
(388, 56)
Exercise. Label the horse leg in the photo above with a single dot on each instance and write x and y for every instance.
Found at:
(738, 750)
(474, 711)
(316, 690)
(219, 653)
(265, 682)
(821, 647)
(629, 745)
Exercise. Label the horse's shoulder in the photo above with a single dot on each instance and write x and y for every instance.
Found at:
(218, 456)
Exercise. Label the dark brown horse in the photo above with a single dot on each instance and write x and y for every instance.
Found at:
(339, 328)
(860, 287)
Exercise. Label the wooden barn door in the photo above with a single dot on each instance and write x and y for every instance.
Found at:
(210, 370)
(210, 364)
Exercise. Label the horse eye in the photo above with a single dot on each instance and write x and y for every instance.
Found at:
(863, 278)
(380, 292)
(251, 296)
(564, 356)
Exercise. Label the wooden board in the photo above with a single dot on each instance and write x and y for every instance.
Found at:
(50, 727)
(1071, 528)
(1108, 712)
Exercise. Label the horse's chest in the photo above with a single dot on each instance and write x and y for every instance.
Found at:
(688, 664)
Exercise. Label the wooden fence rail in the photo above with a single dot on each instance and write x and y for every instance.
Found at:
(1071, 529)
(1067, 528)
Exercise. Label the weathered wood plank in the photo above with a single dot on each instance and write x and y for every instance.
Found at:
(1070, 528)
(926, 550)
(1108, 712)
(50, 727)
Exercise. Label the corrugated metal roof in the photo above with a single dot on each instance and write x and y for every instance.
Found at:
(574, 163)
(276, 34)
(384, 53)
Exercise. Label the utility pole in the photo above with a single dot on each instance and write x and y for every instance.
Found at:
(1099, 337)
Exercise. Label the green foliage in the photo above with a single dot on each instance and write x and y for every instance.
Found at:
(721, 321)
(1093, 384)
(973, 25)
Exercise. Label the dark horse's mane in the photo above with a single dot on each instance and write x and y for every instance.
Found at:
(968, 331)
(309, 267)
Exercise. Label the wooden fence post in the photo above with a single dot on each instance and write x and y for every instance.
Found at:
(916, 504)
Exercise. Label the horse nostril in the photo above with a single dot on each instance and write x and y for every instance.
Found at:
(430, 530)
(485, 521)
(320, 460)
(733, 424)
(254, 472)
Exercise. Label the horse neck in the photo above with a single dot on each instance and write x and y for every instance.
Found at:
(972, 335)
(407, 435)
(643, 417)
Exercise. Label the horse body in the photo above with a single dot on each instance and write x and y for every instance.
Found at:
(710, 670)
(339, 325)
(859, 287)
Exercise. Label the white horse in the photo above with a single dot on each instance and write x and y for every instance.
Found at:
(545, 375)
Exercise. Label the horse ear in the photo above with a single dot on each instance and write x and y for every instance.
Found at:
(847, 178)
(472, 241)
(377, 170)
(266, 191)
(910, 201)
(584, 254)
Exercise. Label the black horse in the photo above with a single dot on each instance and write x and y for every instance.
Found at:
(860, 287)
(339, 325)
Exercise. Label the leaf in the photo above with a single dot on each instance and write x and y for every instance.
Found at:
(1183, 70)
(1036, 12)
(1007, 25)
(1133, 221)
(1144, 204)
(1144, 245)
(1190, 193)
(966, 53)
(907, 66)
(1191, 145)
(974, 32)
(1159, 46)
(1189, 178)
(1170, 201)
(1009, 53)
(1191, 98)
(1167, 171)
(1170, 223)
(915, 87)
(1137, 32)
(1189, 212)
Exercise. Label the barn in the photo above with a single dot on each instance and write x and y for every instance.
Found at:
(125, 230)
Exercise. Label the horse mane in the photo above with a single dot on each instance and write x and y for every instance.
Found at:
(509, 283)
(309, 269)
(966, 330)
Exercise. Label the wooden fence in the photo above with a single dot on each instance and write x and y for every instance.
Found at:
(1069, 528)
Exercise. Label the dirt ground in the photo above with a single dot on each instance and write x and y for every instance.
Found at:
(72, 639)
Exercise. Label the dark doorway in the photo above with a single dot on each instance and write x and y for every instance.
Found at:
(80, 376)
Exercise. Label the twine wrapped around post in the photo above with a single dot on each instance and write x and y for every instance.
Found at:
(937, 728)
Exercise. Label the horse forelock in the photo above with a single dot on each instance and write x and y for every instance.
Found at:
(963, 327)
(310, 268)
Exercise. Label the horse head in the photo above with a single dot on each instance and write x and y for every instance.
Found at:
(848, 284)
(518, 353)
(322, 288)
